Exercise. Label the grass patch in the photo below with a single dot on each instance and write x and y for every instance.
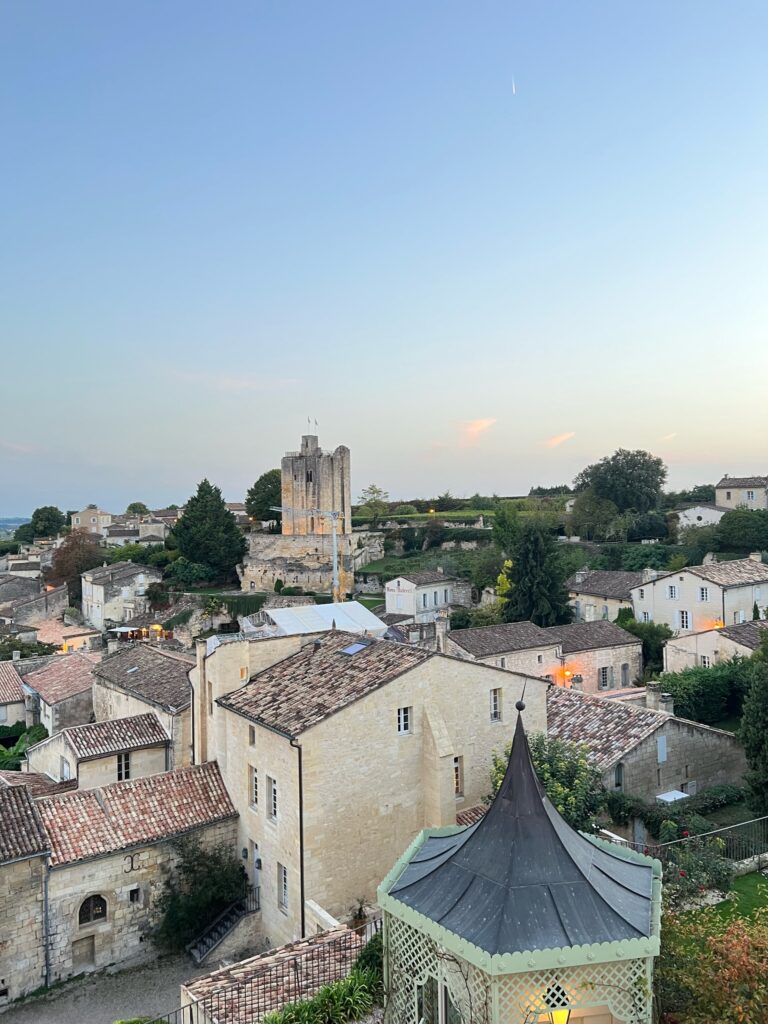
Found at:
(370, 600)
(751, 894)
(454, 563)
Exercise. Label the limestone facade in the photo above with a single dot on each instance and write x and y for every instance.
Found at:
(117, 592)
(22, 961)
(56, 758)
(110, 702)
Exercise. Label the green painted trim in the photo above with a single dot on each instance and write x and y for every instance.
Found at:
(528, 960)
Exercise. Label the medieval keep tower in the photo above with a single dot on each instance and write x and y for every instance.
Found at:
(313, 479)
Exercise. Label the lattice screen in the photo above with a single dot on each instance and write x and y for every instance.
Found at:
(622, 986)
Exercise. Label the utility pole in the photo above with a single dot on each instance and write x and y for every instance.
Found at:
(334, 516)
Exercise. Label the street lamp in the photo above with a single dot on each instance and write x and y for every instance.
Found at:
(556, 999)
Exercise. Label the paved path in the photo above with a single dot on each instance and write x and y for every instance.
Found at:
(102, 999)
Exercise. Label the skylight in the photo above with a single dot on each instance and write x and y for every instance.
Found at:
(134, 669)
(353, 648)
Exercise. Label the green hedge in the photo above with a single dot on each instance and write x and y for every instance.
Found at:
(349, 999)
(686, 815)
(709, 695)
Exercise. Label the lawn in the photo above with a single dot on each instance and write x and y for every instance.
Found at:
(751, 894)
(370, 600)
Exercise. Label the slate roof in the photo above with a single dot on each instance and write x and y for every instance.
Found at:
(119, 571)
(37, 783)
(65, 676)
(422, 579)
(99, 739)
(590, 636)
(483, 641)
(521, 879)
(11, 690)
(151, 674)
(320, 680)
(22, 832)
(609, 728)
(748, 634)
(605, 583)
(743, 481)
(741, 572)
(90, 823)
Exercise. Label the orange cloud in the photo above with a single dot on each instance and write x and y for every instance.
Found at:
(553, 442)
(472, 430)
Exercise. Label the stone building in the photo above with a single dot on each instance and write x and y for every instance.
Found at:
(710, 647)
(29, 602)
(118, 592)
(600, 594)
(703, 597)
(92, 519)
(597, 656)
(742, 492)
(514, 646)
(421, 596)
(143, 678)
(80, 874)
(59, 692)
(302, 554)
(12, 696)
(103, 752)
(642, 752)
(337, 750)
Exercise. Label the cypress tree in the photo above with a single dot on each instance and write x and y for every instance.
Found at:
(536, 580)
(754, 735)
(207, 533)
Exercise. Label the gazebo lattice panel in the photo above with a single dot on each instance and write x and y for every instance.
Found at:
(414, 958)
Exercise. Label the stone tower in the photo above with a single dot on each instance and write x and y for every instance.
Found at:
(314, 479)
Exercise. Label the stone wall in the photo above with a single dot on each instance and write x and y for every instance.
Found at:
(299, 561)
(102, 771)
(683, 652)
(109, 702)
(22, 958)
(48, 605)
(75, 710)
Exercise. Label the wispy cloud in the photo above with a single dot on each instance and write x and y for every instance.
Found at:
(473, 430)
(233, 383)
(669, 437)
(16, 449)
(558, 439)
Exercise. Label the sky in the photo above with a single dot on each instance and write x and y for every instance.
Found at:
(483, 245)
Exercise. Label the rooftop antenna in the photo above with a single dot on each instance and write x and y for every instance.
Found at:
(335, 516)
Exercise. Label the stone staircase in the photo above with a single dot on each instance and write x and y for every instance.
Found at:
(216, 932)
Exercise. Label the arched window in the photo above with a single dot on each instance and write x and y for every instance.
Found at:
(92, 909)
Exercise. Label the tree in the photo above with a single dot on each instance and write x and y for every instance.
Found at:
(7, 647)
(208, 534)
(264, 496)
(506, 525)
(572, 782)
(137, 508)
(47, 521)
(743, 530)
(405, 510)
(653, 634)
(754, 732)
(76, 555)
(187, 574)
(591, 517)
(536, 580)
(374, 500)
(630, 479)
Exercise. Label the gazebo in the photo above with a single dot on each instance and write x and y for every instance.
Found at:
(519, 919)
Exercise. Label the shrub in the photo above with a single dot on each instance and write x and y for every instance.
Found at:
(292, 591)
(349, 999)
(708, 695)
(405, 510)
(372, 956)
(279, 586)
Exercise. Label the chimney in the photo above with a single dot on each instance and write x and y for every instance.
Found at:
(653, 696)
(442, 625)
(649, 575)
(577, 683)
(16, 655)
(112, 645)
(667, 703)
(581, 574)
(755, 556)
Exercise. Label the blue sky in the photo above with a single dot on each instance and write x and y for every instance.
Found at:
(483, 244)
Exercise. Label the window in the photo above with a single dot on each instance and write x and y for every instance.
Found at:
(210, 698)
(354, 648)
(539, 659)
(251, 735)
(404, 721)
(65, 772)
(605, 611)
(618, 776)
(243, 672)
(727, 495)
(458, 776)
(642, 594)
(123, 767)
(423, 600)
(685, 620)
(740, 616)
(603, 677)
(3, 713)
(134, 895)
(661, 749)
(496, 705)
(646, 617)
(254, 786)
(92, 909)
(703, 593)
(445, 596)
(272, 791)
(502, 662)
(435, 599)
(704, 661)
(672, 592)
(750, 495)
(282, 887)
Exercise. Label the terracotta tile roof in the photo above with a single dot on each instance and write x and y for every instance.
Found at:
(609, 728)
(743, 481)
(37, 783)
(53, 631)
(151, 674)
(590, 636)
(748, 634)
(423, 579)
(483, 641)
(22, 832)
(99, 739)
(318, 960)
(136, 813)
(320, 680)
(11, 691)
(65, 676)
(471, 815)
(605, 583)
(740, 572)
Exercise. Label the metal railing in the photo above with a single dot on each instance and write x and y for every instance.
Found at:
(250, 903)
(285, 977)
(738, 842)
